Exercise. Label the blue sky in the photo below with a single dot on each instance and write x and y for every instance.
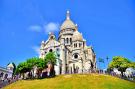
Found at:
(107, 25)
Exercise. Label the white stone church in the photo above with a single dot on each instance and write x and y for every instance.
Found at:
(73, 54)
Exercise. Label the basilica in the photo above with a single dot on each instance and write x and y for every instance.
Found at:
(73, 54)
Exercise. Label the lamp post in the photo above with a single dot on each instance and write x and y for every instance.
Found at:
(107, 60)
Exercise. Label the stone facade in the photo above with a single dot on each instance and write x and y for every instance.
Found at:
(73, 54)
(6, 72)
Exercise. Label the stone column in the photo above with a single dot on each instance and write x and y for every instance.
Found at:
(62, 57)
(63, 62)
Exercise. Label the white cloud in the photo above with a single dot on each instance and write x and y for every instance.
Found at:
(51, 27)
(36, 49)
(35, 28)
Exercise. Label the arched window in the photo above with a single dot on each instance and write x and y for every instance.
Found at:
(76, 44)
(70, 40)
(80, 44)
(50, 50)
(64, 41)
(6, 75)
(45, 52)
(67, 40)
(1, 74)
(91, 64)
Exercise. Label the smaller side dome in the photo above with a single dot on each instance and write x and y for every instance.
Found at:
(77, 36)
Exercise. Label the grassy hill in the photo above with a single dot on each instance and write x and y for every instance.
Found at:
(77, 81)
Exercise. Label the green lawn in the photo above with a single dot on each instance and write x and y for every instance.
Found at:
(76, 81)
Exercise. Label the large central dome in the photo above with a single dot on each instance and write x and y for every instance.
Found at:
(68, 23)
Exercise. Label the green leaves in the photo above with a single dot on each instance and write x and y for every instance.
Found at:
(40, 63)
(120, 62)
(50, 57)
(23, 67)
(35, 61)
(32, 62)
(132, 65)
(29, 64)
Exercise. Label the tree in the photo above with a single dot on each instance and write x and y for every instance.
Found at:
(38, 62)
(31, 62)
(41, 64)
(22, 68)
(132, 65)
(35, 61)
(14, 68)
(51, 57)
(120, 63)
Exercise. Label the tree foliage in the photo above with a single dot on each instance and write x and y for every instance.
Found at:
(31, 62)
(28, 65)
(120, 63)
(50, 57)
(22, 68)
(40, 63)
(132, 65)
